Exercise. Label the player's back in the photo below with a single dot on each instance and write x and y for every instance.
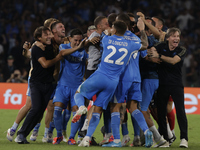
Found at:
(132, 72)
(116, 53)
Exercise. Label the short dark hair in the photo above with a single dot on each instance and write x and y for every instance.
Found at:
(49, 21)
(38, 32)
(111, 18)
(131, 14)
(124, 17)
(152, 22)
(160, 19)
(120, 27)
(98, 19)
(171, 31)
(54, 24)
(75, 31)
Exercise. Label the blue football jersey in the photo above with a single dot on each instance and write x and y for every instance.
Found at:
(132, 71)
(72, 67)
(116, 53)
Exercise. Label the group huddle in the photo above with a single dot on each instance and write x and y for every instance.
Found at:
(124, 63)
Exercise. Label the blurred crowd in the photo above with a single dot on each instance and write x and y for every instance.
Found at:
(19, 18)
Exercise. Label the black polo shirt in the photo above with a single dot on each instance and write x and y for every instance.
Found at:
(170, 74)
(40, 74)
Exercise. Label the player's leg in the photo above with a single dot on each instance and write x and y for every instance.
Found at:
(75, 126)
(124, 125)
(60, 102)
(65, 117)
(92, 126)
(83, 130)
(177, 94)
(138, 116)
(171, 114)
(149, 86)
(20, 116)
(115, 124)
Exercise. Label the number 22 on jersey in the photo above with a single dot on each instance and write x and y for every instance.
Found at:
(119, 61)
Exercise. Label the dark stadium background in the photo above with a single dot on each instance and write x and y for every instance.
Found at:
(19, 18)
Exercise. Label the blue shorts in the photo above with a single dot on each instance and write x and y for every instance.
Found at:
(102, 86)
(54, 91)
(149, 86)
(28, 89)
(64, 94)
(127, 90)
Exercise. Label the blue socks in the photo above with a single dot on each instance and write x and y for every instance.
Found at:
(136, 127)
(37, 126)
(115, 124)
(65, 117)
(58, 120)
(138, 116)
(51, 126)
(14, 126)
(74, 127)
(79, 99)
(107, 120)
(124, 128)
(93, 124)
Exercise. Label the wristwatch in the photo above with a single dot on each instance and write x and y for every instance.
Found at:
(159, 55)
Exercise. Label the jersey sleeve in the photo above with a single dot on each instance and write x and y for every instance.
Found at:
(136, 46)
(62, 46)
(143, 54)
(182, 52)
(37, 52)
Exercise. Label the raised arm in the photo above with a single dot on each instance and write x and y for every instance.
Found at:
(71, 50)
(26, 47)
(153, 29)
(143, 36)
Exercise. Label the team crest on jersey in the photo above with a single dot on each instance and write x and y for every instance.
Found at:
(73, 58)
(174, 53)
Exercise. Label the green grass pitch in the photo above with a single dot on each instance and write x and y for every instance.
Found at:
(8, 117)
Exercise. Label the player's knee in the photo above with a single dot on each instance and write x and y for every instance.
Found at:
(74, 108)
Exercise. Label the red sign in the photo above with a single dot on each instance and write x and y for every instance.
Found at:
(13, 96)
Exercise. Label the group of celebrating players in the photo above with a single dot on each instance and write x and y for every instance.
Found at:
(119, 65)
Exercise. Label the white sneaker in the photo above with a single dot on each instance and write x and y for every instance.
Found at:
(165, 145)
(17, 139)
(159, 143)
(136, 141)
(184, 143)
(79, 139)
(82, 110)
(65, 138)
(10, 134)
(125, 140)
(44, 139)
(49, 137)
(34, 135)
(84, 143)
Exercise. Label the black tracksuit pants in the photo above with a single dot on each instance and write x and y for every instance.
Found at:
(177, 94)
(40, 96)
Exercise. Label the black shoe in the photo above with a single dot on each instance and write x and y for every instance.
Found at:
(24, 142)
(172, 139)
(82, 133)
(21, 139)
(103, 130)
(93, 142)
